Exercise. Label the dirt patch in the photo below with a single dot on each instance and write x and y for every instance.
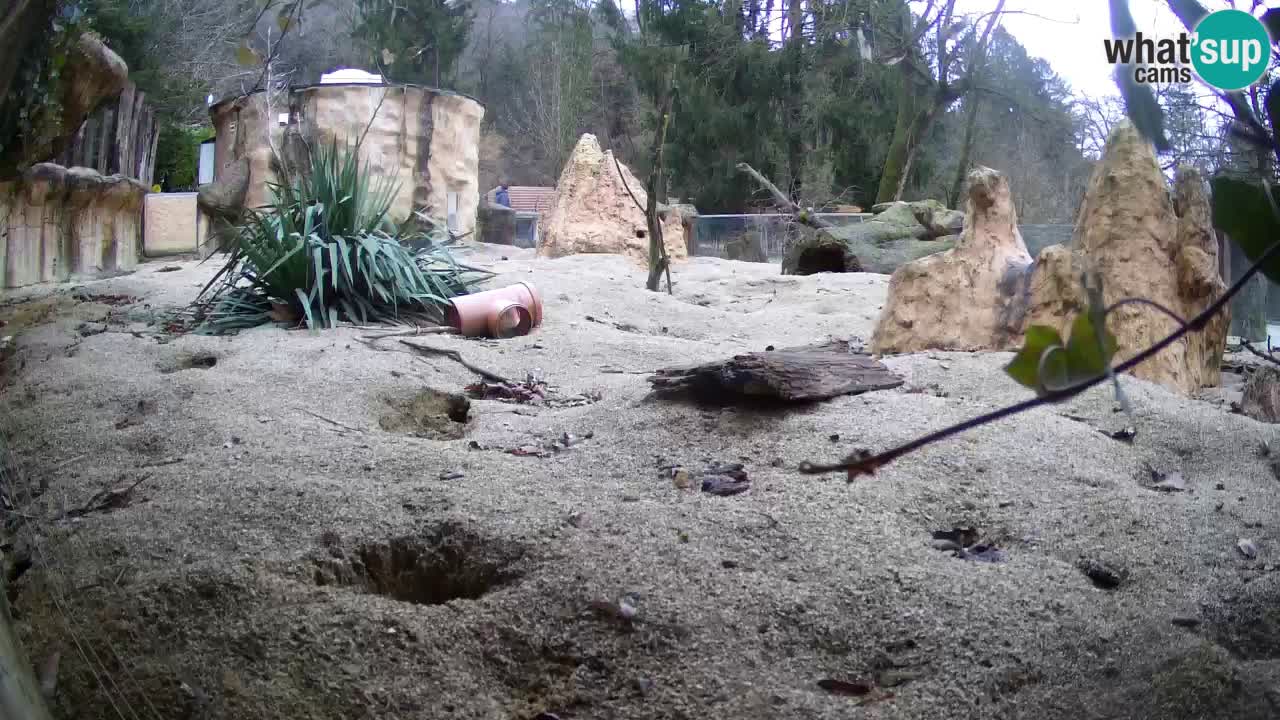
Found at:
(187, 361)
(446, 563)
(428, 413)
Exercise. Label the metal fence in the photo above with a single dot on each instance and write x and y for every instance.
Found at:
(712, 234)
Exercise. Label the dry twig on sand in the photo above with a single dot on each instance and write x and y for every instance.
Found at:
(457, 357)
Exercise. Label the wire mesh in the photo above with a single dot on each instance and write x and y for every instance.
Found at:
(761, 237)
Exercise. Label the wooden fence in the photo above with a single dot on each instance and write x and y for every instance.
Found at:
(119, 137)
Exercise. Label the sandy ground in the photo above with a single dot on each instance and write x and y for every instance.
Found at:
(284, 556)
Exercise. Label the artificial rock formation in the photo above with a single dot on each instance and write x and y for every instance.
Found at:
(92, 74)
(65, 223)
(899, 233)
(968, 297)
(594, 211)
(1144, 241)
(426, 140)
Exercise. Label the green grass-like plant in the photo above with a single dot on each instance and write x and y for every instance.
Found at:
(326, 247)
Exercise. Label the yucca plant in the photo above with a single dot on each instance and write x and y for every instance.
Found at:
(326, 248)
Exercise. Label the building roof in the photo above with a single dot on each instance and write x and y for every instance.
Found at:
(528, 198)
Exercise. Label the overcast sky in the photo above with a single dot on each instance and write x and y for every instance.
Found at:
(1069, 34)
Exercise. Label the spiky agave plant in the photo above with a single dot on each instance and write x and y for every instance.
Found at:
(326, 248)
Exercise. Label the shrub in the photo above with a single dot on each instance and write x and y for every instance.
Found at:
(326, 248)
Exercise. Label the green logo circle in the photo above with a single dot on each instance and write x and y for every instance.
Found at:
(1231, 49)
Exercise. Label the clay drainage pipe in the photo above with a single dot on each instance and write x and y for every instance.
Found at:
(504, 312)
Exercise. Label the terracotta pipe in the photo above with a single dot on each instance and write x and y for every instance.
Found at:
(502, 313)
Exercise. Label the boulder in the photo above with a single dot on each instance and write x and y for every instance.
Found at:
(223, 202)
(968, 297)
(594, 210)
(869, 246)
(92, 73)
(1144, 241)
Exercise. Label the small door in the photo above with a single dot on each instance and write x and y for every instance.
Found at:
(206, 163)
(452, 218)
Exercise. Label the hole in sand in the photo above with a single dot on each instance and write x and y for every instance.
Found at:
(189, 361)
(429, 413)
(640, 234)
(447, 563)
(824, 259)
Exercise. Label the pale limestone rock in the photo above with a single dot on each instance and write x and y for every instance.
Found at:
(58, 223)
(594, 212)
(426, 140)
(965, 298)
(1145, 242)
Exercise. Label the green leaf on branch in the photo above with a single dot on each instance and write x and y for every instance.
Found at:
(1139, 101)
(1046, 364)
(1089, 351)
(1242, 211)
(1026, 366)
(1143, 109)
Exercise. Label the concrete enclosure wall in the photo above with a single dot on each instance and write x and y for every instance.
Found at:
(426, 140)
(58, 224)
(172, 225)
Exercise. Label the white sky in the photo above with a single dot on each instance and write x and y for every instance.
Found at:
(1069, 34)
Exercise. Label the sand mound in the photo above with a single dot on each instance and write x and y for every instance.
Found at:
(594, 213)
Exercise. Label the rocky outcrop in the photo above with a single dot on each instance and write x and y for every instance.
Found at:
(92, 74)
(65, 223)
(426, 140)
(899, 233)
(595, 212)
(1144, 241)
(1141, 238)
(968, 297)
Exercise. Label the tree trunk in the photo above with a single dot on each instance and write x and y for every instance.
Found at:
(899, 147)
(658, 260)
(966, 150)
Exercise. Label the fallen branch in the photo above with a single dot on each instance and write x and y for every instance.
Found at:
(108, 499)
(439, 330)
(335, 423)
(1265, 356)
(457, 357)
(802, 215)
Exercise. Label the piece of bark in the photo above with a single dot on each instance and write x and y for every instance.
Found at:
(790, 375)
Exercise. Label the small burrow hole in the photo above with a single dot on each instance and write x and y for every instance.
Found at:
(428, 413)
(447, 563)
(188, 361)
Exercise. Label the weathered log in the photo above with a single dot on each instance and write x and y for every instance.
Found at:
(791, 375)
